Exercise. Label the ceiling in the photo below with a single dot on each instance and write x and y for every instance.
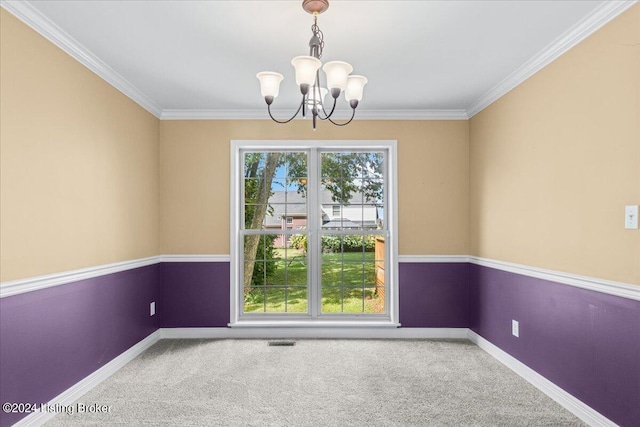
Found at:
(423, 59)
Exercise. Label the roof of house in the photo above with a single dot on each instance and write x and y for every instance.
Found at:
(326, 198)
(293, 203)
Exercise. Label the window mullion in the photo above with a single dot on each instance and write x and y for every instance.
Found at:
(313, 237)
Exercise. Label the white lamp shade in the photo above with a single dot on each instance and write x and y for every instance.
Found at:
(306, 68)
(269, 83)
(312, 97)
(355, 87)
(337, 73)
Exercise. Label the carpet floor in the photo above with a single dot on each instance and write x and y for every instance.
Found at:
(317, 383)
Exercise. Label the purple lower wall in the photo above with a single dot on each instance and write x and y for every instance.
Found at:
(434, 295)
(53, 338)
(586, 342)
(194, 294)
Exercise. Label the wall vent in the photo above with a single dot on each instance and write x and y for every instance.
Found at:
(282, 343)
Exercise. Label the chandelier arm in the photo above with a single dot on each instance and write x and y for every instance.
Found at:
(282, 122)
(327, 116)
(344, 124)
(317, 85)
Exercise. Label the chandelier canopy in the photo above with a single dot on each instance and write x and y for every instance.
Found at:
(338, 77)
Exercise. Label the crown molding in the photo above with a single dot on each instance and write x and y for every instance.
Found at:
(193, 114)
(412, 115)
(186, 114)
(27, 13)
(31, 16)
(584, 28)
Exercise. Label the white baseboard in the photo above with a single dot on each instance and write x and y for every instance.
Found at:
(351, 333)
(76, 391)
(568, 401)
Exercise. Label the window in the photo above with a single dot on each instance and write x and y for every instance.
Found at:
(339, 268)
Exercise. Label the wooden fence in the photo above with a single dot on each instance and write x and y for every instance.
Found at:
(379, 266)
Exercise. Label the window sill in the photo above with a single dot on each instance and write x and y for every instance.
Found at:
(327, 324)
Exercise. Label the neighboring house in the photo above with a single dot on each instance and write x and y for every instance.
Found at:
(288, 210)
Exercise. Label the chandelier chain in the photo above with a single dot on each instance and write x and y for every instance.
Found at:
(315, 29)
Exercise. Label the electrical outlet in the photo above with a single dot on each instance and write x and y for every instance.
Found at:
(152, 308)
(515, 328)
(631, 217)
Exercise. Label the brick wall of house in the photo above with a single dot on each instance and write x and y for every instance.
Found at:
(295, 224)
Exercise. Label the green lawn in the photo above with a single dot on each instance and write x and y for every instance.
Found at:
(343, 276)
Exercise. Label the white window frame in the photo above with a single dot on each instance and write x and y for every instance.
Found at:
(311, 319)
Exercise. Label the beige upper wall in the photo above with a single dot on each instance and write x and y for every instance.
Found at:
(550, 167)
(433, 164)
(554, 162)
(78, 163)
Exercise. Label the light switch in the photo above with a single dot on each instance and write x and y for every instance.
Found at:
(631, 217)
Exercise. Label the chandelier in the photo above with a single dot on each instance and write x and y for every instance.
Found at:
(307, 68)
